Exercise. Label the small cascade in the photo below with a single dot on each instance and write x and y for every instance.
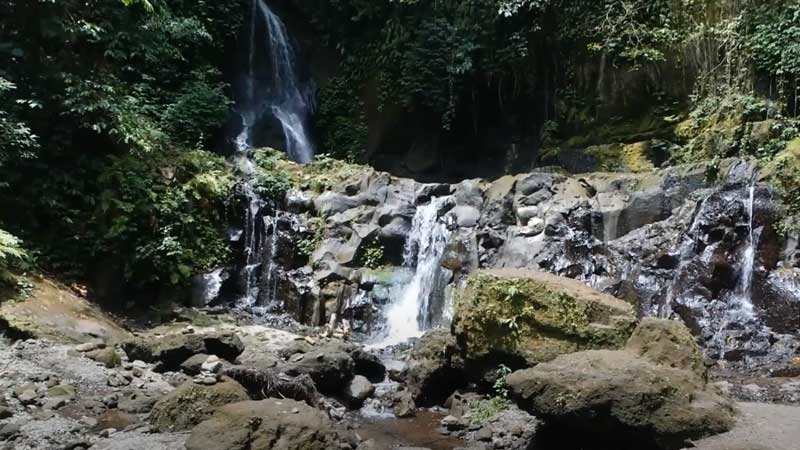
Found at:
(421, 304)
(258, 275)
(272, 86)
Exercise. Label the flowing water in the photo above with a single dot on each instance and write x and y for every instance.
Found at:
(743, 295)
(419, 305)
(279, 93)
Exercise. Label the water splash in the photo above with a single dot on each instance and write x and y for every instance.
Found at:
(411, 313)
(286, 99)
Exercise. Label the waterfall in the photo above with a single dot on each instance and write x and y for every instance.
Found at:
(258, 276)
(412, 312)
(743, 295)
(284, 96)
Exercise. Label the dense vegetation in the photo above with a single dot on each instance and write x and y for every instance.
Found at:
(110, 110)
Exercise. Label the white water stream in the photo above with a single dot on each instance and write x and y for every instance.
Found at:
(409, 314)
(287, 100)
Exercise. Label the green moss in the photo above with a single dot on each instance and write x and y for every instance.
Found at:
(537, 316)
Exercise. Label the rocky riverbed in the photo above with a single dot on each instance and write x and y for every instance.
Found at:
(212, 382)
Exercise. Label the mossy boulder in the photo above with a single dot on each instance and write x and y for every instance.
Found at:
(535, 316)
(192, 403)
(653, 393)
(270, 424)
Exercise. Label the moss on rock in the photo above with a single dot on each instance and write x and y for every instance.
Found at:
(192, 403)
(536, 316)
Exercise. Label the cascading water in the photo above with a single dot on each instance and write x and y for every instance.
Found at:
(271, 87)
(742, 299)
(411, 313)
(279, 92)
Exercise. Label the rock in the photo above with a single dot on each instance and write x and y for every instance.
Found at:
(404, 405)
(113, 419)
(368, 365)
(62, 390)
(644, 393)
(331, 368)
(265, 425)
(359, 390)
(54, 403)
(106, 356)
(549, 316)
(192, 403)
(192, 365)
(87, 347)
(5, 412)
(9, 430)
(430, 373)
(29, 397)
(137, 402)
(667, 343)
(212, 364)
(173, 349)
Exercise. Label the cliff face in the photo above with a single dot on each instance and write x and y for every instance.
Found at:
(673, 243)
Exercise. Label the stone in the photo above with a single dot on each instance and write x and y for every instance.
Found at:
(86, 347)
(54, 403)
(9, 430)
(549, 316)
(212, 364)
(404, 405)
(113, 419)
(645, 393)
(331, 368)
(269, 424)
(173, 349)
(106, 356)
(29, 397)
(5, 412)
(191, 403)
(368, 365)
(430, 374)
(359, 390)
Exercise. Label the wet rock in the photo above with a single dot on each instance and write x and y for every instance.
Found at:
(647, 393)
(265, 425)
(191, 403)
(551, 316)
(5, 412)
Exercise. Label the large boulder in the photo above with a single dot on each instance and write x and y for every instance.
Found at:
(265, 425)
(433, 370)
(330, 366)
(172, 350)
(528, 317)
(192, 403)
(653, 392)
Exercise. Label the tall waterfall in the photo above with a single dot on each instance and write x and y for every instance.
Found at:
(272, 86)
(411, 313)
(743, 295)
